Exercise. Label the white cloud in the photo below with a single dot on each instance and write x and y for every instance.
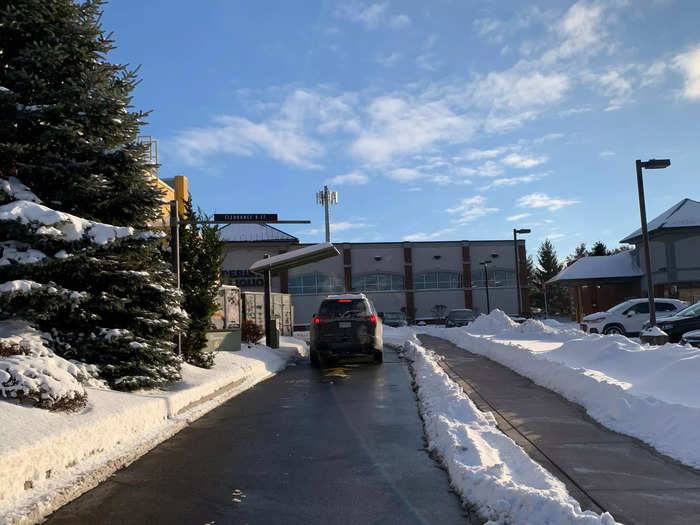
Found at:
(689, 65)
(607, 153)
(471, 209)
(405, 174)
(402, 125)
(427, 62)
(399, 21)
(574, 111)
(480, 154)
(553, 236)
(239, 136)
(542, 200)
(368, 15)
(582, 29)
(518, 217)
(516, 91)
(616, 83)
(415, 237)
(352, 179)
(515, 160)
(389, 61)
(489, 28)
(512, 181)
(346, 225)
(372, 16)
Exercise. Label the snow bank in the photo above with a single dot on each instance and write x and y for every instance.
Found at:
(496, 321)
(649, 392)
(29, 370)
(60, 224)
(49, 458)
(485, 466)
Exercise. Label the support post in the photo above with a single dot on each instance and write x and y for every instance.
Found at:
(517, 272)
(268, 304)
(326, 199)
(486, 282)
(645, 236)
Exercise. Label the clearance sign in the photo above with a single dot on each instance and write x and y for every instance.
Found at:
(245, 217)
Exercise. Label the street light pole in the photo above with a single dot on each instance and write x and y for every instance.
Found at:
(486, 282)
(651, 164)
(517, 267)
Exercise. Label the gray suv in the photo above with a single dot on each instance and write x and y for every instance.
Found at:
(346, 326)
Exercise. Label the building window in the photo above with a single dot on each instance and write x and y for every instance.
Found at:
(315, 283)
(498, 277)
(431, 280)
(377, 282)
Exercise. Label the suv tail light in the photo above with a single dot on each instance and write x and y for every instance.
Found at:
(372, 318)
(317, 320)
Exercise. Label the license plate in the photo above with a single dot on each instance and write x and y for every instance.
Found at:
(344, 324)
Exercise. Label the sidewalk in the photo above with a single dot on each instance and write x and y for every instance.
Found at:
(603, 470)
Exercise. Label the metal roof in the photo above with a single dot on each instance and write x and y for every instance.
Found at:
(685, 214)
(619, 266)
(254, 233)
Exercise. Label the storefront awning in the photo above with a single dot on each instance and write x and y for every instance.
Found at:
(295, 258)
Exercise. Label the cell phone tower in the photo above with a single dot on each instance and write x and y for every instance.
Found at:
(325, 198)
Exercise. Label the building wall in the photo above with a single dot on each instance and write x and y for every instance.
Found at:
(675, 261)
(404, 272)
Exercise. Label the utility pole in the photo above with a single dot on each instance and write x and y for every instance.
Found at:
(326, 198)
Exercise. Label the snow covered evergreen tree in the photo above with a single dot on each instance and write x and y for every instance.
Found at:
(104, 292)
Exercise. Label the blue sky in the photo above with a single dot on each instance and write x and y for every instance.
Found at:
(433, 120)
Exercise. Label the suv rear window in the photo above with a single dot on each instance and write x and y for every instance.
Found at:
(343, 307)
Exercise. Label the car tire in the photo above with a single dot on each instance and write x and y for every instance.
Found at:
(614, 329)
(378, 357)
(315, 359)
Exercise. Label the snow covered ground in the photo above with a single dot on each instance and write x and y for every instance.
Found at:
(649, 392)
(49, 458)
(486, 467)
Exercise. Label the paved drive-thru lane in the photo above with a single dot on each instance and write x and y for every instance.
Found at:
(603, 470)
(342, 445)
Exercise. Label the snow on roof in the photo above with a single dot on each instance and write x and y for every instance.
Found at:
(620, 265)
(684, 214)
(253, 233)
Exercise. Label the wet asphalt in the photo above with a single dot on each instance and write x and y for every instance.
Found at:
(339, 445)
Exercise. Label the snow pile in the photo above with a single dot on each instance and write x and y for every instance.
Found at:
(649, 392)
(496, 321)
(59, 224)
(49, 458)
(29, 370)
(486, 467)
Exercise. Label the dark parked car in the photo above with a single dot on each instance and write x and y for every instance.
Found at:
(691, 338)
(684, 321)
(395, 319)
(459, 317)
(346, 326)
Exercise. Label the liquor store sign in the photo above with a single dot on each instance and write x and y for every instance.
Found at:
(243, 278)
(245, 217)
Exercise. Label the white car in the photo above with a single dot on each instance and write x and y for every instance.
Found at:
(628, 318)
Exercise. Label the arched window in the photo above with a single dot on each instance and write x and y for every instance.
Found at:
(498, 277)
(431, 280)
(376, 282)
(315, 283)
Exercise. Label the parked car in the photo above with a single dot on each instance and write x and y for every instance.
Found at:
(346, 326)
(628, 318)
(678, 325)
(395, 319)
(459, 317)
(691, 338)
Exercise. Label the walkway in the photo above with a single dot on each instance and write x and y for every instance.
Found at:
(603, 470)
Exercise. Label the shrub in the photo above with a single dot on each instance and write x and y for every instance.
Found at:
(250, 332)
